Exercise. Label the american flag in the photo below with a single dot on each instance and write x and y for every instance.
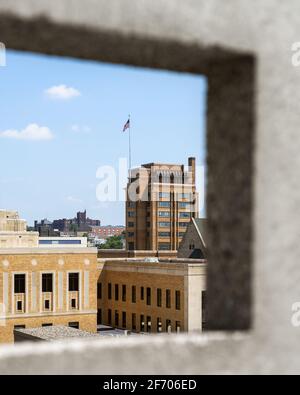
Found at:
(127, 125)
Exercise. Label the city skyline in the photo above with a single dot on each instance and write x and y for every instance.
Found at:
(70, 116)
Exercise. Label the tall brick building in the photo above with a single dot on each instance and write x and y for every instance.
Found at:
(161, 200)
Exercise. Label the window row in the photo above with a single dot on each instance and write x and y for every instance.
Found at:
(47, 283)
(145, 324)
(145, 294)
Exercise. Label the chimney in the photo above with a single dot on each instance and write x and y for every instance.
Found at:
(192, 168)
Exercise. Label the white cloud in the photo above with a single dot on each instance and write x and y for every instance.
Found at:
(32, 132)
(62, 92)
(80, 129)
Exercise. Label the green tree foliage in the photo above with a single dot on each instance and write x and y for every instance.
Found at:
(112, 243)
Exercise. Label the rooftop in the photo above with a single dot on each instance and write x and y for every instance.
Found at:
(60, 332)
(51, 333)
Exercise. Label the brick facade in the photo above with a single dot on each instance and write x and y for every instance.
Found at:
(33, 263)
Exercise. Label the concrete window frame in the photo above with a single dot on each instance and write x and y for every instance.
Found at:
(230, 128)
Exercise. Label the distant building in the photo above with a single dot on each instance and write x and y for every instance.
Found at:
(85, 223)
(104, 232)
(45, 228)
(13, 231)
(161, 200)
(193, 244)
(81, 223)
(151, 295)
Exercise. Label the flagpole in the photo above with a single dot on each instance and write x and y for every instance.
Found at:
(129, 146)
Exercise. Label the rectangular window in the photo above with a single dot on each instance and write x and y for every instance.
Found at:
(183, 224)
(116, 292)
(177, 299)
(164, 204)
(164, 214)
(47, 282)
(159, 297)
(131, 204)
(164, 234)
(149, 296)
(73, 282)
(20, 286)
(131, 214)
(168, 299)
(116, 318)
(185, 205)
(130, 234)
(19, 305)
(133, 323)
(47, 304)
(99, 317)
(142, 293)
(142, 323)
(164, 246)
(74, 325)
(123, 293)
(109, 316)
(73, 303)
(46, 325)
(109, 291)
(164, 195)
(148, 324)
(133, 294)
(19, 327)
(131, 246)
(130, 224)
(185, 196)
(159, 325)
(124, 321)
(168, 326)
(184, 215)
(164, 224)
(99, 291)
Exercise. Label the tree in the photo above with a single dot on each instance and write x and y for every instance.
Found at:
(112, 243)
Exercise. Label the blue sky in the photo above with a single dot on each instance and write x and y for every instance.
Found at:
(79, 109)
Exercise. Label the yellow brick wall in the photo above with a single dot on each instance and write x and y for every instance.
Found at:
(43, 262)
(154, 281)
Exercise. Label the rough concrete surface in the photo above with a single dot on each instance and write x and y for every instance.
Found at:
(244, 47)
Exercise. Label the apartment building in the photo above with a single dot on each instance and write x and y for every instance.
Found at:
(44, 285)
(150, 295)
(161, 200)
(104, 232)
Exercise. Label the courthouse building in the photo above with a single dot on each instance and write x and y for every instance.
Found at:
(43, 285)
(161, 200)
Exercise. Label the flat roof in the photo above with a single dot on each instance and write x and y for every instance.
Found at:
(51, 333)
(61, 332)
